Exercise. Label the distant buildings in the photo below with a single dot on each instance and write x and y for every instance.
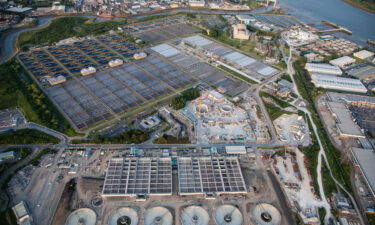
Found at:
(364, 54)
(197, 3)
(241, 32)
(246, 19)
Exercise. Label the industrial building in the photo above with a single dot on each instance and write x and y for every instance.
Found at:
(338, 83)
(210, 175)
(138, 176)
(344, 121)
(6, 156)
(22, 213)
(241, 32)
(363, 54)
(342, 61)
(246, 19)
(235, 150)
(363, 71)
(364, 159)
(323, 68)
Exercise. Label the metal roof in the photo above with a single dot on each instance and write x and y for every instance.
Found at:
(165, 50)
(365, 159)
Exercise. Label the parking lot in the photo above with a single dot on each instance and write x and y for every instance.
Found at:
(160, 30)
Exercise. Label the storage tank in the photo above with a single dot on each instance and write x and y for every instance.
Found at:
(88, 70)
(115, 62)
(228, 215)
(266, 214)
(83, 216)
(194, 215)
(158, 216)
(124, 216)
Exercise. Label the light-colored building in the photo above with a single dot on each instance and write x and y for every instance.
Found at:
(338, 83)
(115, 62)
(235, 150)
(87, 71)
(342, 61)
(323, 68)
(241, 32)
(364, 54)
(363, 72)
(246, 19)
(56, 80)
(197, 3)
(22, 213)
(140, 55)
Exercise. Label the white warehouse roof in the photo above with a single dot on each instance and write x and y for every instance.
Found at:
(338, 83)
(323, 68)
(235, 149)
(342, 61)
(364, 54)
(198, 40)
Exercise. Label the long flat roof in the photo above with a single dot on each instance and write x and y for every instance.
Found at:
(220, 175)
(363, 72)
(132, 176)
(344, 121)
(365, 159)
(340, 83)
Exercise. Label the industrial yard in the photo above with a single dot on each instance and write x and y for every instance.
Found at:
(93, 186)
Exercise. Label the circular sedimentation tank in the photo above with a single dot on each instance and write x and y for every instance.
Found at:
(158, 216)
(195, 215)
(266, 214)
(83, 216)
(228, 215)
(124, 216)
(202, 108)
(226, 109)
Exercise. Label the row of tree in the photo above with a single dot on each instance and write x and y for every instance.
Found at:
(188, 95)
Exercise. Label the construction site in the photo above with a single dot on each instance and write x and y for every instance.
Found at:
(297, 131)
(218, 120)
(163, 186)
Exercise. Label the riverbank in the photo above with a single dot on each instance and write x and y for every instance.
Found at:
(362, 6)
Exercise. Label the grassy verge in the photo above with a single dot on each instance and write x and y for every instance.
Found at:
(127, 137)
(168, 139)
(273, 111)
(17, 89)
(27, 136)
(339, 167)
(366, 5)
(237, 75)
(280, 102)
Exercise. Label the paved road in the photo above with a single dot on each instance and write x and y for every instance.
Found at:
(286, 210)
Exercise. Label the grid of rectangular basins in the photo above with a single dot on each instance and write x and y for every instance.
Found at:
(81, 107)
(97, 51)
(71, 58)
(93, 98)
(40, 64)
(123, 47)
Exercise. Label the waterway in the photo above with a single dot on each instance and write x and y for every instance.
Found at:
(360, 22)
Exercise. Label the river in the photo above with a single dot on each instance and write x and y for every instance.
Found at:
(360, 22)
